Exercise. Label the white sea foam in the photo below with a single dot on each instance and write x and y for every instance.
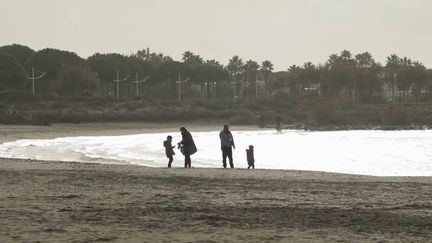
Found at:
(383, 153)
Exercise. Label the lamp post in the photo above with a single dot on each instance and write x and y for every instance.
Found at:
(137, 81)
(234, 83)
(118, 80)
(33, 78)
(180, 82)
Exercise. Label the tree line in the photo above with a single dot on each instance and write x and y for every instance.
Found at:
(359, 76)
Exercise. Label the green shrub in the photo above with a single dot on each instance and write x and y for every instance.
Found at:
(243, 119)
(325, 114)
(396, 115)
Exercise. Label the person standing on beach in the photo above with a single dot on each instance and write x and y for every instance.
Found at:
(279, 123)
(227, 143)
(187, 146)
(250, 157)
(261, 123)
(169, 150)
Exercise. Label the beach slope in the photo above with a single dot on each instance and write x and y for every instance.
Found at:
(59, 202)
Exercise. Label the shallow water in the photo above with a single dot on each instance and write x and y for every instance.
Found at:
(367, 152)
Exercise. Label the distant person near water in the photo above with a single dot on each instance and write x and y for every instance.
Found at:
(261, 121)
(169, 150)
(250, 157)
(279, 123)
(227, 143)
(187, 146)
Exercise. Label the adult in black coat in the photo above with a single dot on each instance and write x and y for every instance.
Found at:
(227, 143)
(187, 146)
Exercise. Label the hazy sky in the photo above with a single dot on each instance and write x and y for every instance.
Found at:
(286, 32)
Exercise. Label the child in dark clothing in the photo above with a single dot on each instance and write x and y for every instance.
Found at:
(169, 150)
(250, 157)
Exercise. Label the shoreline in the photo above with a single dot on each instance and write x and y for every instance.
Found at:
(58, 201)
(10, 133)
(19, 131)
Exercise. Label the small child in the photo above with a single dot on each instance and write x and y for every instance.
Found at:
(250, 157)
(169, 150)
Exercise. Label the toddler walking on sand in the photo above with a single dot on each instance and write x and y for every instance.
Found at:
(169, 150)
(250, 157)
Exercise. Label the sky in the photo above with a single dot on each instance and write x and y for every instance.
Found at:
(286, 32)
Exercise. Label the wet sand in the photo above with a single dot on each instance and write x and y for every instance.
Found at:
(15, 132)
(76, 202)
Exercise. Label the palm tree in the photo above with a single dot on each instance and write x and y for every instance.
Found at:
(333, 60)
(190, 58)
(393, 61)
(235, 67)
(213, 62)
(212, 72)
(251, 66)
(340, 69)
(293, 68)
(419, 77)
(266, 68)
(157, 59)
(364, 59)
(308, 65)
(346, 57)
(251, 69)
(142, 54)
(405, 61)
(293, 79)
(393, 65)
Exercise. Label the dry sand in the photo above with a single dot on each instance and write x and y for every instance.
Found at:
(75, 202)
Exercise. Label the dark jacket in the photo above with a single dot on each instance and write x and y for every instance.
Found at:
(250, 156)
(227, 140)
(168, 148)
(188, 144)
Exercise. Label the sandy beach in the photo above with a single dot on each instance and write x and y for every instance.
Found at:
(43, 201)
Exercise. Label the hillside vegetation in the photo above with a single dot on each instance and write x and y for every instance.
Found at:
(348, 91)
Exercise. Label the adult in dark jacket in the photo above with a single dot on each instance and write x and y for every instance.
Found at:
(227, 143)
(187, 146)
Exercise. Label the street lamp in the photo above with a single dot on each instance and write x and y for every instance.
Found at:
(138, 82)
(234, 83)
(180, 82)
(118, 80)
(33, 78)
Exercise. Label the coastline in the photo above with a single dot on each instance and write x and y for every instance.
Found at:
(10, 133)
(14, 132)
(74, 201)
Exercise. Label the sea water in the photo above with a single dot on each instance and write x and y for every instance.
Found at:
(366, 152)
